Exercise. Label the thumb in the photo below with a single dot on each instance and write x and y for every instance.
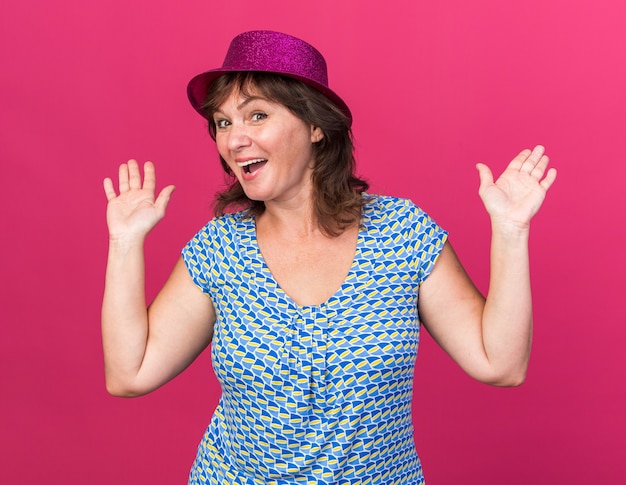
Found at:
(164, 198)
(485, 175)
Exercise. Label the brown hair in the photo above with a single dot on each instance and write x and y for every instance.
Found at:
(337, 192)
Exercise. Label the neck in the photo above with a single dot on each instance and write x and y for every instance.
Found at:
(290, 221)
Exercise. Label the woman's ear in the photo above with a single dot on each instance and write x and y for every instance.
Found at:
(316, 134)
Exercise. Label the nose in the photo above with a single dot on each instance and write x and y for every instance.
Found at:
(238, 137)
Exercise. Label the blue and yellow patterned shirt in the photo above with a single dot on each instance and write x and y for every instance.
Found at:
(315, 394)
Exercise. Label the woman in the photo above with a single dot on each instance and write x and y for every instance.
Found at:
(313, 291)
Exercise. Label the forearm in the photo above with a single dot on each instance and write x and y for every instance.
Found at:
(124, 315)
(507, 315)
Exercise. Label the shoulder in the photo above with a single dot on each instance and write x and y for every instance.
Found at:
(224, 224)
(218, 233)
(391, 210)
(399, 221)
(216, 241)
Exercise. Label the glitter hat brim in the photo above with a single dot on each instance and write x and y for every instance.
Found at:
(267, 51)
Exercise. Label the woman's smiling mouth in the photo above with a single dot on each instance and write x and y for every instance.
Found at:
(250, 166)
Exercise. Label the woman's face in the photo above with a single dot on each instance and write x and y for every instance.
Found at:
(267, 147)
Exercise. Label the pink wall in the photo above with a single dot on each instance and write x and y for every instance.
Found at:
(434, 89)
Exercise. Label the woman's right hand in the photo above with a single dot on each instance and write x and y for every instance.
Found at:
(134, 212)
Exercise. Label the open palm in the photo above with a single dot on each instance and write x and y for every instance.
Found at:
(135, 211)
(516, 196)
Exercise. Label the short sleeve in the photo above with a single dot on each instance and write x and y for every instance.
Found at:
(199, 255)
(427, 239)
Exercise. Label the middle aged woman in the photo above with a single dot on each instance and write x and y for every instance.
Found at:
(311, 290)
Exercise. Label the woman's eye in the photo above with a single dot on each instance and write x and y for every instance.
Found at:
(259, 116)
(221, 124)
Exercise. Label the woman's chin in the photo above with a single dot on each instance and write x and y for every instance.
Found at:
(255, 195)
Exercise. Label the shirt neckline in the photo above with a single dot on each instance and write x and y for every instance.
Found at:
(358, 266)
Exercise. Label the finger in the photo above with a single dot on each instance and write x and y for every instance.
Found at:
(164, 198)
(516, 163)
(109, 190)
(134, 175)
(540, 167)
(123, 177)
(547, 182)
(149, 176)
(533, 159)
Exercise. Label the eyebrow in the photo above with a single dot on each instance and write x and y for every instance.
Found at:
(249, 100)
(246, 101)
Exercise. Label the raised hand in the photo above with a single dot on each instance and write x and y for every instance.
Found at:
(135, 211)
(518, 193)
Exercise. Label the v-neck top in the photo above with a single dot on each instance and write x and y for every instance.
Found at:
(315, 394)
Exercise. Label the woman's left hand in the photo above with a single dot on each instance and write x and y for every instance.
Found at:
(517, 195)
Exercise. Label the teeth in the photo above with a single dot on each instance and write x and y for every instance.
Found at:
(250, 162)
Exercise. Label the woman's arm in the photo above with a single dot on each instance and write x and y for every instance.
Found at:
(491, 338)
(144, 348)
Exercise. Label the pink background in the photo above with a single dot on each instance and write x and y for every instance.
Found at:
(434, 87)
